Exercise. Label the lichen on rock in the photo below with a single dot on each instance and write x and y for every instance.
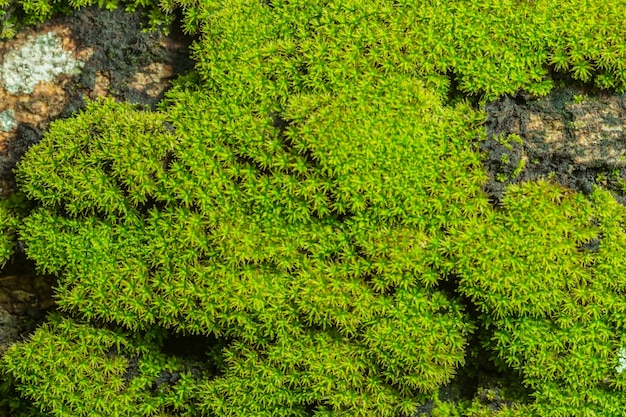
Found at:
(40, 58)
(7, 120)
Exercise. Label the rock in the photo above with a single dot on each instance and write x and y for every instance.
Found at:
(25, 299)
(9, 329)
(38, 58)
(7, 121)
(575, 135)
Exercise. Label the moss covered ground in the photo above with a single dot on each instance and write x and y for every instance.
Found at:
(309, 204)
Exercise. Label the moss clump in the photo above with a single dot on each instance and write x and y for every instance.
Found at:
(265, 245)
(12, 212)
(82, 370)
(304, 196)
(553, 300)
(16, 15)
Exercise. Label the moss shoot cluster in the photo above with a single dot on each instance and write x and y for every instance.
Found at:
(302, 196)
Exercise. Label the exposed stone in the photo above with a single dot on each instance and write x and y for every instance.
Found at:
(575, 135)
(20, 294)
(39, 58)
(8, 329)
(25, 297)
(101, 85)
(7, 121)
(153, 78)
(593, 136)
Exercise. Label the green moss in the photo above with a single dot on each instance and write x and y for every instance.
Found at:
(12, 211)
(70, 368)
(199, 229)
(304, 196)
(16, 15)
(555, 308)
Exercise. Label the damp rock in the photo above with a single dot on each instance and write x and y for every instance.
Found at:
(9, 329)
(25, 299)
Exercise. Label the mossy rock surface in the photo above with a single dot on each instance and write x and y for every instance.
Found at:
(313, 198)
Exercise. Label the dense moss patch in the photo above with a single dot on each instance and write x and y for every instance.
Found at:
(312, 196)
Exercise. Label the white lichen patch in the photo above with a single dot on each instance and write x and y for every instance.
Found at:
(622, 361)
(7, 120)
(38, 59)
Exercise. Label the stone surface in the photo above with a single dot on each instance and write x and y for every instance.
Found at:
(8, 329)
(7, 121)
(25, 298)
(593, 135)
(40, 58)
(575, 135)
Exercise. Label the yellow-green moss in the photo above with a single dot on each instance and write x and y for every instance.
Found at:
(308, 188)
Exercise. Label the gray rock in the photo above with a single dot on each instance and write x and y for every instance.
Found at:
(9, 329)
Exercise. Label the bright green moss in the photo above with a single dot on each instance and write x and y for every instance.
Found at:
(102, 162)
(18, 14)
(12, 210)
(306, 191)
(493, 48)
(7, 242)
(70, 368)
(244, 249)
(555, 305)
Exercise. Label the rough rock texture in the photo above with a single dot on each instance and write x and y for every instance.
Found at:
(575, 135)
(39, 58)
(25, 298)
(8, 329)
